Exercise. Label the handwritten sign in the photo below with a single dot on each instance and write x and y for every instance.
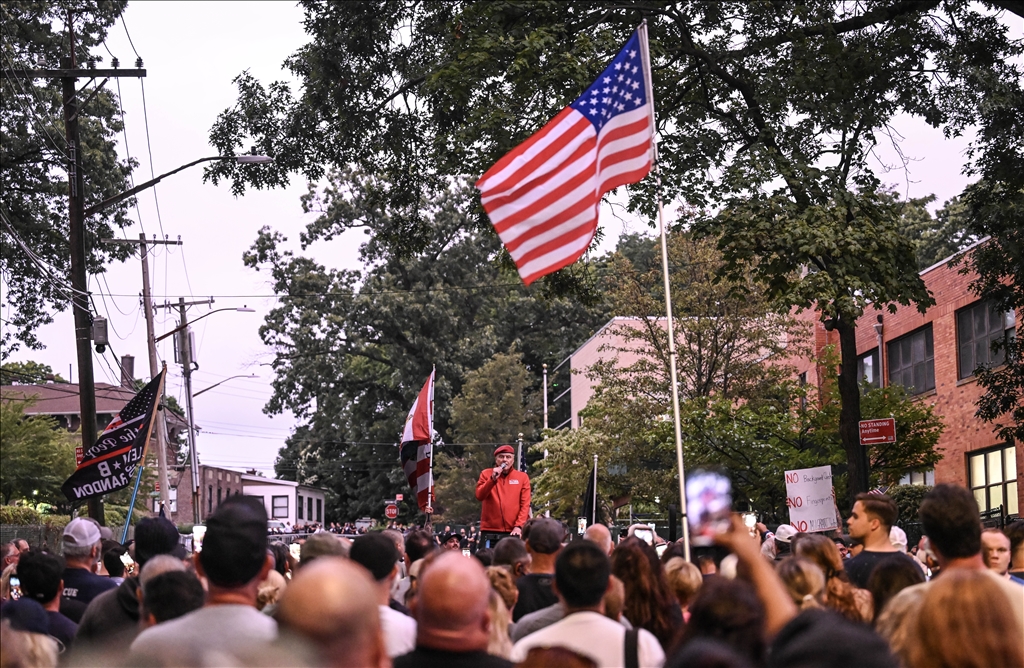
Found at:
(810, 501)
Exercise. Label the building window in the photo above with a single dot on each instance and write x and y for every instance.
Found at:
(220, 475)
(309, 508)
(219, 492)
(802, 378)
(912, 361)
(298, 509)
(209, 474)
(236, 480)
(977, 327)
(173, 496)
(209, 498)
(279, 508)
(867, 368)
(319, 510)
(919, 478)
(993, 476)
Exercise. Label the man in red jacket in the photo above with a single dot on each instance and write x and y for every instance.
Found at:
(505, 497)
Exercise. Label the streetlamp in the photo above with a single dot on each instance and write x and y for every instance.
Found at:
(207, 389)
(77, 213)
(185, 349)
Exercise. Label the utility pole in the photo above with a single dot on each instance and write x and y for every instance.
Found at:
(185, 357)
(147, 305)
(69, 74)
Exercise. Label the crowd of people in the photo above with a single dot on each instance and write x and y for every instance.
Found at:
(414, 598)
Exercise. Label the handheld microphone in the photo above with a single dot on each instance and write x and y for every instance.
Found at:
(504, 465)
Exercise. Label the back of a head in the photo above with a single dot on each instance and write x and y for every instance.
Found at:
(40, 574)
(683, 578)
(600, 536)
(949, 516)
(966, 620)
(502, 582)
(509, 551)
(880, 507)
(281, 556)
(453, 597)
(544, 535)
(153, 536)
(1015, 532)
(321, 545)
(823, 552)
(581, 574)
(889, 577)
(397, 538)
(112, 561)
(172, 594)
(376, 553)
(161, 563)
(332, 603)
(235, 545)
(418, 544)
(804, 580)
(729, 611)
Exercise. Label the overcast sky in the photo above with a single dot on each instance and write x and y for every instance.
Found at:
(192, 51)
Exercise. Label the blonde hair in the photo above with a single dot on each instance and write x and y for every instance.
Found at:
(502, 582)
(684, 579)
(804, 581)
(20, 649)
(965, 620)
(270, 590)
(499, 644)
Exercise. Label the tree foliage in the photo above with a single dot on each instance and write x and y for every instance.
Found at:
(28, 373)
(767, 112)
(354, 348)
(36, 456)
(495, 406)
(34, 159)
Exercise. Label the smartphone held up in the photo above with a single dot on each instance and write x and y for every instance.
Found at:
(709, 505)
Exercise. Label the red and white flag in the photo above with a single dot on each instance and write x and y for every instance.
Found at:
(416, 443)
(543, 196)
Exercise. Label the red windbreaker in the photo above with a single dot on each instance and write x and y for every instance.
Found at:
(506, 501)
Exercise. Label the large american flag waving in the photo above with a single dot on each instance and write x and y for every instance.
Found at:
(543, 196)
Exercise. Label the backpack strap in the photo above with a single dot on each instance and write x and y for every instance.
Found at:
(631, 647)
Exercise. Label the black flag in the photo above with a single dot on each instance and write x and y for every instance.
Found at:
(589, 511)
(110, 463)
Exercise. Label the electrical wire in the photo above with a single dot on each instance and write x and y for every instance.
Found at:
(31, 93)
(128, 154)
(123, 23)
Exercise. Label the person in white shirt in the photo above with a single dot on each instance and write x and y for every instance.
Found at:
(378, 554)
(582, 573)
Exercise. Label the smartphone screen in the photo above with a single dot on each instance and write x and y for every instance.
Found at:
(15, 587)
(709, 505)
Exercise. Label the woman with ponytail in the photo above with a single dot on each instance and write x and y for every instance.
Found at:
(849, 601)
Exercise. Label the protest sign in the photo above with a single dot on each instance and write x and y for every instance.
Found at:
(810, 500)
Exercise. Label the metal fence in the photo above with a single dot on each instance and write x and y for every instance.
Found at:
(37, 535)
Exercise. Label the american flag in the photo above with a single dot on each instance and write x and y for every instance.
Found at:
(416, 444)
(543, 196)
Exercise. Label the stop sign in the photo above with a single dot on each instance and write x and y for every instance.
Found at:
(391, 511)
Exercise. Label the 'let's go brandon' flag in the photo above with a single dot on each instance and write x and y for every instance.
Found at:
(110, 463)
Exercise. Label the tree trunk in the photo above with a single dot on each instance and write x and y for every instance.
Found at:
(849, 412)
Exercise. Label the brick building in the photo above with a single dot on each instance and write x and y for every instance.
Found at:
(933, 355)
(215, 485)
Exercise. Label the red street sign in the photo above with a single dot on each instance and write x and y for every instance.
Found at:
(391, 512)
(79, 454)
(877, 431)
(399, 497)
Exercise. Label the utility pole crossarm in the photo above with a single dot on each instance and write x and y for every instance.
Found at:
(70, 73)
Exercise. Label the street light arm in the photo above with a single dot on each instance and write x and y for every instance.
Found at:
(110, 201)
(181, 327)
(207, 389)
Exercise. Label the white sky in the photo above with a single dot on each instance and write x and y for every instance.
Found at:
(191, 54)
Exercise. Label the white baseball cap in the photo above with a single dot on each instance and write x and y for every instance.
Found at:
(785, 533)
(82, 531)
(898, 537)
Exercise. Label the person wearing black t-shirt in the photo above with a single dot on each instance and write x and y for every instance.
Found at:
(871, 519)
(543, 541)
(81, 552)
(40, 575)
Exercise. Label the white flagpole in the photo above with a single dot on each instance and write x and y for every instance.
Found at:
(645, 53)
(595, 490)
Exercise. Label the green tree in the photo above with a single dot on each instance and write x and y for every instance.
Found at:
(767, 112)
(937, 237)
(36, 456)
(34, 155)
(27, 373)
(494, 407)
(354, 348)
